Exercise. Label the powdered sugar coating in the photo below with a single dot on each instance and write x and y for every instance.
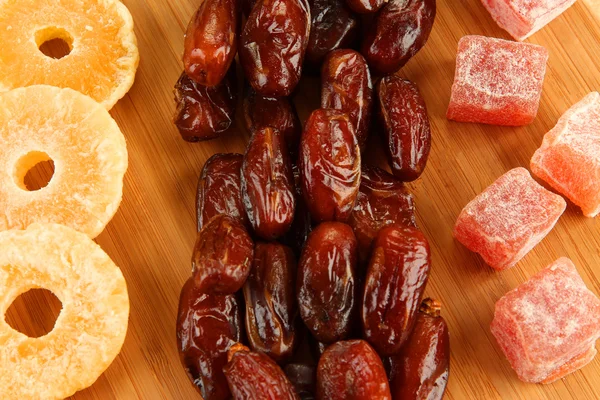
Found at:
(508, 219)
(571, 147)
(497, 81)
(522, 18)
(547, 326)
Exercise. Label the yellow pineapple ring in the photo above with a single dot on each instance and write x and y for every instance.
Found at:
(88, 333)
(88, 149)
(103, 57)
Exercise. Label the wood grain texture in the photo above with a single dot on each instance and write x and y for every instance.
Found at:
(152, 235)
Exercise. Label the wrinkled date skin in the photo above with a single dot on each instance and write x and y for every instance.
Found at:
(333, 26)
(273, 45)
(326, 282)
(304, 379)
(222, 256)
(382, 200)
(365, 6)
(399, 31)
(329, 165)
(279, 113)
(406, 130)
(351, 370)
(394, 287)
(207, 326)
(268, 184)
(220, 189)
(421, 370)
(302, 224)
(211, 41)
(253, 375)
(204, 113)
(346, 86)
(271, 311)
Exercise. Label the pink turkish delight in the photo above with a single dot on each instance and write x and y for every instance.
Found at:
(548, 326)
(569, 159)
(508, 219)
(497, 82)
(523, 18)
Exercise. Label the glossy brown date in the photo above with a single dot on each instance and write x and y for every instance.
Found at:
(326, 282)
(399, 31)
(273, 45)
(220, 189)
(329, 165)
(207, 326)
(268, 184)
(304, 379)
(405, 124)
(278, 113)
(253, 375)
(270, 294)
(211, 41)
(351, 370)
(333, 26)
(346, 86)
(394, 286)
(222, 256)
(382, 200)
(204, 113)
(421, 369)
(302, 224)
(365, 6)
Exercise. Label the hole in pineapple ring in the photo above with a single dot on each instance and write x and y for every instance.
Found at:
(34, 312)
(54, 42)
(34, 171)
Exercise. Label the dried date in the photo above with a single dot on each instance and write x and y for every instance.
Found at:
(273, 45)
(279, 113)
(219, 189)
(253, 375)
(333, 26)
(394, 286)
(399, 31)
(326, 282)
(211, 41)
(405, 124)
(421, 369)
(382, 200)
(207, 326)
(351, 370)
(222, 256)
(204, 113)
(329, 165)
(304, 379)
(271, 311)
(268, 184)
(346, 86)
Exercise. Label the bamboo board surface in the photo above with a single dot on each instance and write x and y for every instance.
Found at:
(152, 235)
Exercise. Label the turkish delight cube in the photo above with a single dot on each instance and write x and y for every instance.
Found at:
(508, 219)
(547, 327)
(497, 82)
(569, 158)
(523, 18)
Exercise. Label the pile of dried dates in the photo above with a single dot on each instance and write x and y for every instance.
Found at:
(309, 270)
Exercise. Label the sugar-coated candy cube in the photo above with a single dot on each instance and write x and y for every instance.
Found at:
(569, 158)
(508, 219)
(547, 327)
(523, 18)
(497, 82)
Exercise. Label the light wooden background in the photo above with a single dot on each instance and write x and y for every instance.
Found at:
(152, 235)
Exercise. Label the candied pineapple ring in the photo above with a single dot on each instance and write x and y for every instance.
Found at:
(92, 324)
(103, 53)
(89, 153)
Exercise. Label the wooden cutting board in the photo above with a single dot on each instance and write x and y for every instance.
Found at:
(152, 235)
